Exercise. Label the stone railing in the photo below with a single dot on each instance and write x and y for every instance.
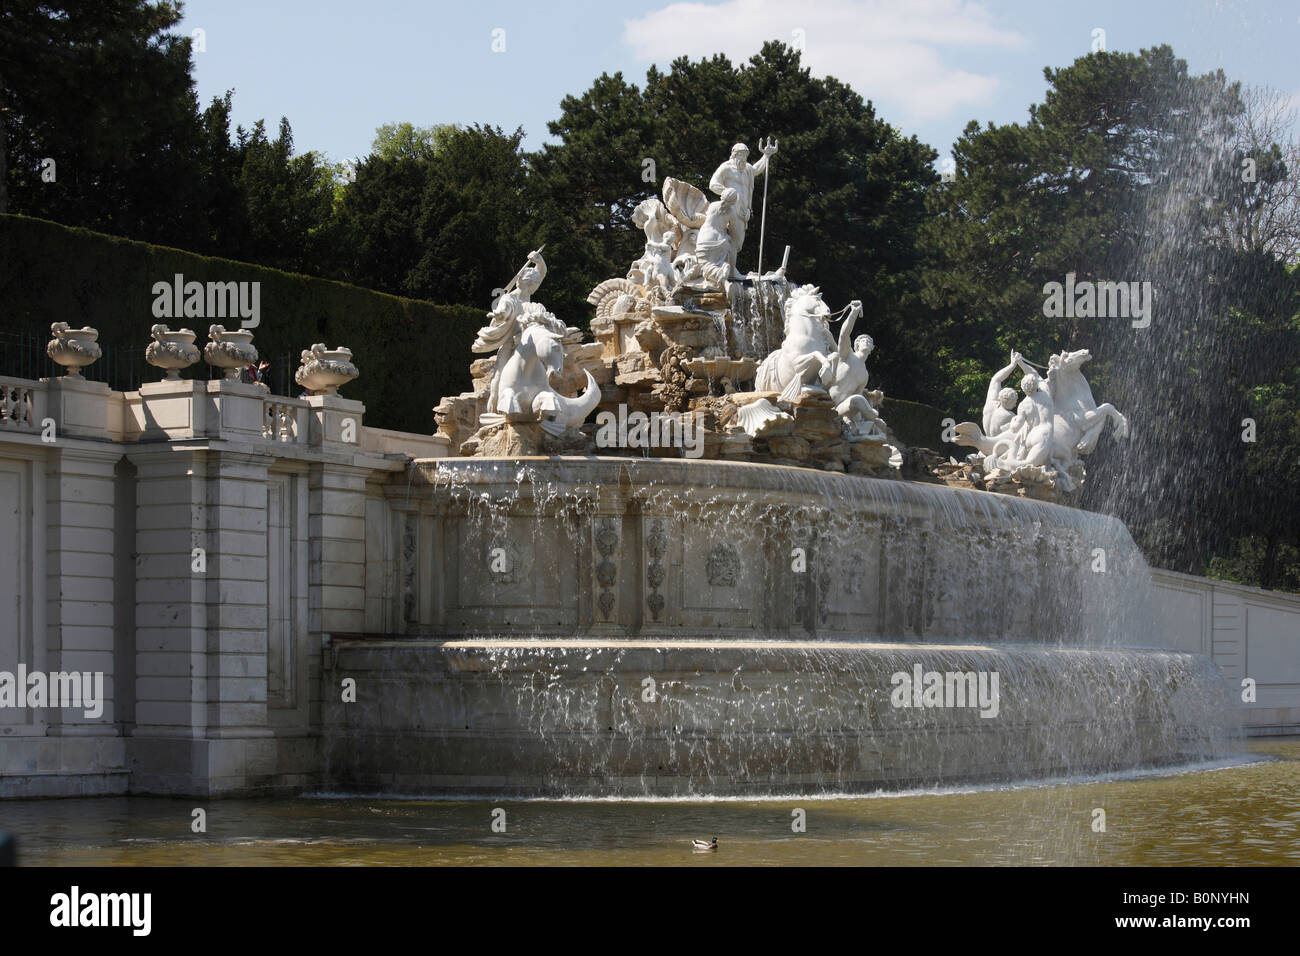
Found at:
(281, 420)
(21, 404)
(194, 409)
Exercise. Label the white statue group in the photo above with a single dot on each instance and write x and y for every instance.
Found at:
(1037, 439)
(1041, 438)
(529, 342)
(811, 361)
(688, 238)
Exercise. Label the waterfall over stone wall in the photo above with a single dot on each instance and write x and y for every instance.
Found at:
(710, 550)
(588, 626)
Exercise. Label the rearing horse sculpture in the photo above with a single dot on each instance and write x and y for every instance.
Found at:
(804, 355)
(1079, 420)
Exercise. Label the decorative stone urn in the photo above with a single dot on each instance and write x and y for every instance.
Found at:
(230, 350)
(324, 370)
(74, 349)
(171, 351)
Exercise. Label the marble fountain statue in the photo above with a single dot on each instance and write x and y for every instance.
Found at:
(763, 605)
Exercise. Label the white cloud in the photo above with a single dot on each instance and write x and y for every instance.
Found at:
(887, 50)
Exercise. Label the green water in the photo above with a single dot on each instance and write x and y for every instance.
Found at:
(1244, 814)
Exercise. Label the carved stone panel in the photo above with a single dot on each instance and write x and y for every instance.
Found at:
(656, 547)
(606, 540)
(723, 565)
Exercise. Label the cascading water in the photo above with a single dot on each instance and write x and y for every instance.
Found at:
(703, 627)
(757, 319)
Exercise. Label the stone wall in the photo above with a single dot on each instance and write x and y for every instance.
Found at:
(192, 542)
(1250, 634)
(709, 550)
(637, 718)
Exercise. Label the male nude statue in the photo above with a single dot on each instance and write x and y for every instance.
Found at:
(1000, 403)
(737, 175)
(1031, 429)
(999, 411)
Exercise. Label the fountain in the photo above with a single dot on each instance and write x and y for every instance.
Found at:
(784, 613)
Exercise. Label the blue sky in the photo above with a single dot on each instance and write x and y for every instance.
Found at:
(338, 68)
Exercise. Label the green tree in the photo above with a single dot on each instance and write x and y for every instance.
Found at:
(1116, 147)
(377, 215)
(586, 188)
(846, 192)
(288, 200)
(407, 141)
(436, 212)
(219, 183)
(102, 88)
(474, 217)
(1121, 174)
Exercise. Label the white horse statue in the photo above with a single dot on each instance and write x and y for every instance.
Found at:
(804, 355)
(1077, 421)
(525, 393)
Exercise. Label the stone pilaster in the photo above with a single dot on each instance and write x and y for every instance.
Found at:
(236, 579)
(79, 493)
(80, 568)
(337, 549)
(201, 625)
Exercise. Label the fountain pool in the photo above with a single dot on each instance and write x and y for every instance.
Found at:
(621, 627)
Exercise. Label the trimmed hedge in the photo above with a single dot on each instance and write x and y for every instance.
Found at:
(410, 353)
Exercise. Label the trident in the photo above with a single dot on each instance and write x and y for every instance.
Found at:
(767, 175)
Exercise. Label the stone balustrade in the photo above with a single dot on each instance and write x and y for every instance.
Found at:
(284, 420)
(22, 404)
(193, 542)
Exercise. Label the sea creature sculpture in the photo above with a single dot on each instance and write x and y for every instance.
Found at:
(524, 393)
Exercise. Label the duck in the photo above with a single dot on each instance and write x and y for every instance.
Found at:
(701, 845)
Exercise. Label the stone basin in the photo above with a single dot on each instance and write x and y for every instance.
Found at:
(604, 626)
(624, 547)
(674, 718)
